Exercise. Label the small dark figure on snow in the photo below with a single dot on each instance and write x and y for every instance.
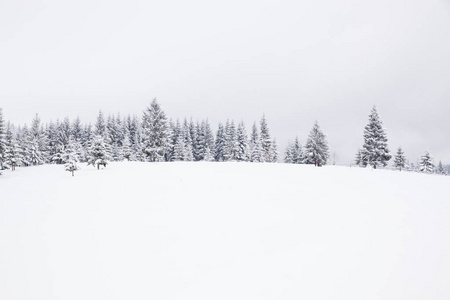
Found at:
(315, 163)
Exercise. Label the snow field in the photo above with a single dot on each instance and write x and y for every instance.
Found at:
(223, 231)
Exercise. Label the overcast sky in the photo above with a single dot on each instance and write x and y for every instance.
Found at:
(296, 61)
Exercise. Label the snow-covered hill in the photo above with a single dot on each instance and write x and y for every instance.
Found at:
(223, 231)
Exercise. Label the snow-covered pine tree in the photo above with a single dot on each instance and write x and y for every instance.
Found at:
(200, 145)
(274, 151)
(440, 169)
(288, 153)
(37, 142)
(400, 159)
(358, 158)
(100, 126)
(2, 140)
(155, 135)
(316, 147)
(77, 130)
(230, 146)
(126, 145)
(208, 155)
(375, 150)
(266, 141)
(298, 156)
(97, 155)
(188, 154)
(209, 137)
(426, 163)
(220, 143)
(255, 146)
(243, 149)
(14, 154)
(70, 156)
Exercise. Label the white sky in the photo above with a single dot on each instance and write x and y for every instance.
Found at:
(296, 61)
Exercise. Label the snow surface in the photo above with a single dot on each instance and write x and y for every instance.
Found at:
(223, 231)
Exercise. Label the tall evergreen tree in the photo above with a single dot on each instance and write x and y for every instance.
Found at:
(266, 141)
(316, 147)
(155, 137)
(400, 159)
(100, 126)
(220, 144)
(375, 150)
(440, 169)
(243, 148)
(426, 163)
(256, 152)
(2, 140)
(97, 152)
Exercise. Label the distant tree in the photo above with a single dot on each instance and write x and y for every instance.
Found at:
(97, 152)
(220, 144)
(155, 135)
(230, 147)
(188, 151)
(316, 148)
(266, 141)
(3, 144)
(71, 156)
(375, 150)
(426, 163)
(358, 158)
(242, 153)
(294, 153)
(256, 152)
(400, 159)
(100, 126)
(274, 154)
(14, 154)
(440, 169)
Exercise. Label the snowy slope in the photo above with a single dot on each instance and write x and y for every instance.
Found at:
(223, 231)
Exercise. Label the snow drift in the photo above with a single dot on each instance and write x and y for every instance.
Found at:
(223, 231)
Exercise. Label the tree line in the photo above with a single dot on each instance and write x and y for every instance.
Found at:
(154, 137)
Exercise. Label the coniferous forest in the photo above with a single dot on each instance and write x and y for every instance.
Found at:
(155, 138)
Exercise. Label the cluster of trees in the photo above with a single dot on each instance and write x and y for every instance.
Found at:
(375, 151)
(152, 138)
(316, 149)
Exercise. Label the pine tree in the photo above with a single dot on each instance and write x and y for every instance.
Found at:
(358, 158)
(266, 141)
(375, 149)
(256, 153)
(14, 154)
(97, 152)
(37, 142)
(400, 159)
(230, 145)
(220, 144)
(188, 154)
(3, 145)
(274, 151)
(316, 147)
(426, 163)
(100, 126)
(70, 156)
(155, 137)
(243, 149)
(440, 169)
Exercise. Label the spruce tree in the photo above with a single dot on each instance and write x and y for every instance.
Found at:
(97, 154)
(375, 150)
(220, 144)
(426, 163)
(243, 150)
(266, 141)
(316, 147)
(155, 135)
(400, 159)
(256, 153)
(2, 140)
(440, 169)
